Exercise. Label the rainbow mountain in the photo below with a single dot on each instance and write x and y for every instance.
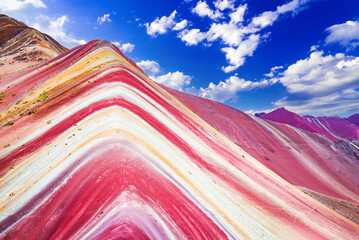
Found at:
(91, 148)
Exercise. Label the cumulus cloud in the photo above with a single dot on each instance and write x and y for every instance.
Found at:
(238, 15)
(272, 71)
(236, 56)
(151, 68)
(228, 90)
(126, 47)
(321, 75)
(224, 4)
(203, 10)
(55, 28)
(176, 80)
(14, 5)
(239, 38)
(346, 34)
(267, 18)
(229, 33)
(192, 37)
(333, 104)
(321, 84)
(161, 25)
(103, 19)
(180, 25)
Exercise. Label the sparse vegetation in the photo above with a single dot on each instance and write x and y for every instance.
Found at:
(8, 124)
(78, 90)
(31, 112)
(43, 96)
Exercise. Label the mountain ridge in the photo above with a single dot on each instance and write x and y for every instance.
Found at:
(93, 148)
(22, 47)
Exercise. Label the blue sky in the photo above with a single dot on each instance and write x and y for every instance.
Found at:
(252, 55)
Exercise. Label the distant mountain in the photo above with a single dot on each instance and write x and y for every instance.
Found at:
(22, 47)
(282, 115)
(336, 126)
(261, 114)
(354, 119)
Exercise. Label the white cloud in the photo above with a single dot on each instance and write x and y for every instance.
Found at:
(126, 47)
(176, 80)
(103, 19)
(321, 84)
(236, 56)
(272, 71)
(161, 25)
(346, 34)
(14, 5)
(321, 75)
(252, 112)
(224, 4)
(265, 19)
(192, 37)
(269, 17)
(238, 15)
(329, 105)
(314, 48)
(202, 9)
(292, 6)
(229, 33)
(55, 28)
(151, 68)
(180, 25)
(239, 38)
(229, 89)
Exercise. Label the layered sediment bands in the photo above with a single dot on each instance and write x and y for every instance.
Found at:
(22, 47)
(300, 157)
(96, 150)
(336, 126)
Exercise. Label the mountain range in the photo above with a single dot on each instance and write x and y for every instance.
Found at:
(92, 148)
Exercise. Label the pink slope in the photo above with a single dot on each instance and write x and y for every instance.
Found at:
(336, 126)
(282, 115)
(299, 157)
(354, 119)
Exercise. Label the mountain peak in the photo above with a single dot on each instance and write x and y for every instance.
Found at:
(282, 115)
(354, 119)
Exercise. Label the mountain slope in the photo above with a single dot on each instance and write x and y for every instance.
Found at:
(22, 47)
(354, 119)
(336, 126)
(282, 115)
(310, 161)
(94, 149)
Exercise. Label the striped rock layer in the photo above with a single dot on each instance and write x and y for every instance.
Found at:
(336, 126)
(93, 149)
(22, 47)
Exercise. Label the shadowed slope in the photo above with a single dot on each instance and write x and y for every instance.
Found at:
(354, 119)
